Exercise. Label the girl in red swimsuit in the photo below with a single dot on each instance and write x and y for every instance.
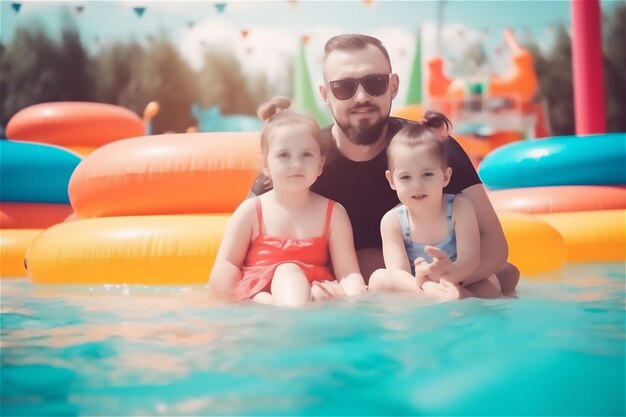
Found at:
(289, 245)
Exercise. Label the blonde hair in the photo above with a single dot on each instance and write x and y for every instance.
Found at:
(275, 113)
(425, 132)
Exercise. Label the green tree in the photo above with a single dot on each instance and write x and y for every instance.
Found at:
(554, 72)
(161, 75)
(221, 83)
(113, 70)
(36, 68)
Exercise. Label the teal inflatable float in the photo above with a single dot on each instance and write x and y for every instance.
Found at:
(35, 173)
(564, 160)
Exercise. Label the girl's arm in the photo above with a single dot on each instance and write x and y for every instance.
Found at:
(394, 251)
(343, 254)
(467, 241)
(226, 270)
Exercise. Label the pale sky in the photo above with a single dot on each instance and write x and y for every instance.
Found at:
(274, 28)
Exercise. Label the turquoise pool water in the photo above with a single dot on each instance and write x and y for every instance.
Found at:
(557, 349)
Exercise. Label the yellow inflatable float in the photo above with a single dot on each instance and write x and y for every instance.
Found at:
(535, 246)
(150, 250)
(13, 245)
(591, 236)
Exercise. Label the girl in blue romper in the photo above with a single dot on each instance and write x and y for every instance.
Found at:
(429, 229)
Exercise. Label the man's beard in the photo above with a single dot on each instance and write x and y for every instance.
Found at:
(363, 135)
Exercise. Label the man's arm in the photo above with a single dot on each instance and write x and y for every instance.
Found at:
(261, 185)
(494, 249)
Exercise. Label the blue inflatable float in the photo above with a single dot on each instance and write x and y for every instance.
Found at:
(564, 160)
(35, 173)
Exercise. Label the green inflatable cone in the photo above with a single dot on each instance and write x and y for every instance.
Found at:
(414, 95)
(304, 98)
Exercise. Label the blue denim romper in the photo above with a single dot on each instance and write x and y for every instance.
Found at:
(413, 249)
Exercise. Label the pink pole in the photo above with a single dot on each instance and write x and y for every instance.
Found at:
(587, 67)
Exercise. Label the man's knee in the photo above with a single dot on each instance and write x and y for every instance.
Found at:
(508, 277)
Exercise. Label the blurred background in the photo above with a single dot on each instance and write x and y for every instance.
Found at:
(231, 56)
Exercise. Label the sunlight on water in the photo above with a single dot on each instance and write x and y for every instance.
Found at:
(115, 350)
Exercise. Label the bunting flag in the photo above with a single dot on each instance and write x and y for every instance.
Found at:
(16, 7)
(303, 94)
(304, 39)
(244, 33)
(79, 10)
(190, 24)
(368, 3)
(220, 7)
(414, 95)
(139, 11)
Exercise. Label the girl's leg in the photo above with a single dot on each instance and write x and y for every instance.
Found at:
(264, 297)
(290, 286)
(392, 281)
(223, 280)
(487, 288)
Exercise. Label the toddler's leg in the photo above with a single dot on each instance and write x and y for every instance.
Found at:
(392, 281)
(290, 286)
(487, 288)
(444, 291)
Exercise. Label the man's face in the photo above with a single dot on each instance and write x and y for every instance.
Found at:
(363, 116)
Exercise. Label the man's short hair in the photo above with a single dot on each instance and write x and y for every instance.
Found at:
(352, 42)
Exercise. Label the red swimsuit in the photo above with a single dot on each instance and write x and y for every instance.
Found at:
(267, 252)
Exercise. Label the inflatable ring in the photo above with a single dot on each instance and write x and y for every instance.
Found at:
(167, 174)
(591, 236)
(559, 199)
(530, 239)
(34, 172)
(567, 160)
(149, 250)
(13, 246)
(74, 124)
(32, 215)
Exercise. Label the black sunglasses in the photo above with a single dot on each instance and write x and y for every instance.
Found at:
(375, 85)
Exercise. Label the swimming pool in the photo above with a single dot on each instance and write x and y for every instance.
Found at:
(558, 349)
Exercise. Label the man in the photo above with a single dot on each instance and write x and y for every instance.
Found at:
(359, 87)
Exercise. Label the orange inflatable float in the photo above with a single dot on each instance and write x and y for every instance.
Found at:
(71, 124)
(557, 199)
(166, 174)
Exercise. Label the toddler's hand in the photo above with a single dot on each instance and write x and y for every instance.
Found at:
(441, 266)
(322, 290)
(421, 271)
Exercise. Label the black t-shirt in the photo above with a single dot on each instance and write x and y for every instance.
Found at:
(361, 187)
